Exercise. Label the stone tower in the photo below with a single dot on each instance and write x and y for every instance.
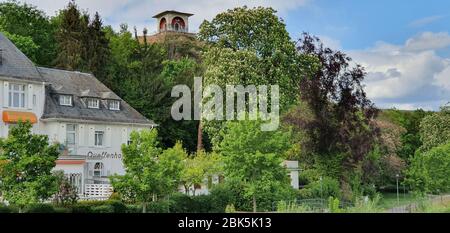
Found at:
(173, 21)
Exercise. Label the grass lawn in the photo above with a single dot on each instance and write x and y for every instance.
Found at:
(389, 200)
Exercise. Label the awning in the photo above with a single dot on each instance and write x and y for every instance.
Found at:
(14, 117)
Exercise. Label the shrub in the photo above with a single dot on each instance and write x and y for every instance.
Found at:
(366, 205)
(39, 208)
(63, 210)
(103, 209)
(7, 209)
(158, 207)
(133, 209)
(221, 197)
(333, 205)
(230, 209)
(328, 187)
(429, 172)
(180, 203)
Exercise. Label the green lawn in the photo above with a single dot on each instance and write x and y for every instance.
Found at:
(389, 200)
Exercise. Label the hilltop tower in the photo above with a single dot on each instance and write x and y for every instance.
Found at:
(171, 24)
(173, 21)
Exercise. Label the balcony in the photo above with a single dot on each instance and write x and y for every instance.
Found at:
(97, 191)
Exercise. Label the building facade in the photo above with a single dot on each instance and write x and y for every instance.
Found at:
(74, 109)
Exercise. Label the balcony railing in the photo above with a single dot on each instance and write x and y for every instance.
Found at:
(97, 190)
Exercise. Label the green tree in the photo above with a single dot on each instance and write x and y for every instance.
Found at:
(97, 49)
(198, 168)
(435, 129)
(252, 46)
(24, 43)
(67, 193)
(253, 158)
(151, 172)
(30, 29)
(410, 121)
(429, 172)
(25, 174)
(334, 117)
(71, 37)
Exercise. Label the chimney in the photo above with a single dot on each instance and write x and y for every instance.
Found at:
(1, 56)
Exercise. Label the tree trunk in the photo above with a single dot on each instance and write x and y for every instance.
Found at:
(200, 136)
(144, 207)
(254, 203)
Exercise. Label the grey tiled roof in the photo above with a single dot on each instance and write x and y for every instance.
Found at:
(14, 63)
(81, 85)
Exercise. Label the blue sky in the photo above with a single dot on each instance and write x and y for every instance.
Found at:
(358, 24)
(404, 44)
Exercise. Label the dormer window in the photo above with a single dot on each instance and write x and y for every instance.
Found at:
(93, 103)
(114, 105)
(65, 100)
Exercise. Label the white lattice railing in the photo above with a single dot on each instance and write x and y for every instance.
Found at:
(97, 190)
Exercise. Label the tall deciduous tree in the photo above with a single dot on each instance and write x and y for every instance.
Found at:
(25, 174)
(254, 158)
(341, 114)
(251, 46)
(151, 172)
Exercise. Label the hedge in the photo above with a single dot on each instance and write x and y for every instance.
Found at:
(177, 203)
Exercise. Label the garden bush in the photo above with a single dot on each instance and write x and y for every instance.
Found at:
(7, 209)
(328, 187)
(39, 208)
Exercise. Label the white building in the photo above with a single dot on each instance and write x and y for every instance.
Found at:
(72, 108)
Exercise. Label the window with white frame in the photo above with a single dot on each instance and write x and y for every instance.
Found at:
(93, 103)
(71, 134)
(16, 95)
(99, 135)
(65, 100)
(114, 105)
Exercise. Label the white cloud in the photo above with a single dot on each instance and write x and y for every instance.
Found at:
(407, 76)
(330, 42)
(139, 12)
(443, 78)
(428, 40)
(426, 21)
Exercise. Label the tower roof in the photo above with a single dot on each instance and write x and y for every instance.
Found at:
(172, 12)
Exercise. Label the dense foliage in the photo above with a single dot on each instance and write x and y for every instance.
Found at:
(26, 161)
(346, 149)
